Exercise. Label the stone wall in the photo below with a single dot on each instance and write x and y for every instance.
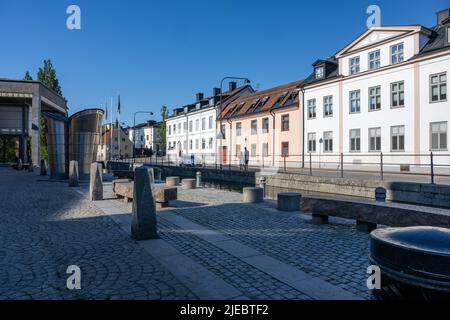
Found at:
(405, 192)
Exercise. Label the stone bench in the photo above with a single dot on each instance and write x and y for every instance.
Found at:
(370, 213)
(188, 184)
(116, 181)
(172, 181)
(163, 195)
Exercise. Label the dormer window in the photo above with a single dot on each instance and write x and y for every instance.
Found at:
(320, 72)
(354, 65)
(448, 35)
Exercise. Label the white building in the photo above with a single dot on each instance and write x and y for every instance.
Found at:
(191, 130)
(385, 92)
(146, 138)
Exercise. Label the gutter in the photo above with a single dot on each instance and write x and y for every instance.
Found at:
(302, 89)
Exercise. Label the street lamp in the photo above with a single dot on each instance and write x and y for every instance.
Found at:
(134, 129)
(221, 136)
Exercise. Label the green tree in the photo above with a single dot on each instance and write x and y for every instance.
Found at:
(27, 76)
(162, 130)
(47, 75)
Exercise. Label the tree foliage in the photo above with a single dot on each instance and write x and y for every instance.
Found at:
(162, 130)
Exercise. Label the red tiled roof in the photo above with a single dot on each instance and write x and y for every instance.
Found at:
(243, 105)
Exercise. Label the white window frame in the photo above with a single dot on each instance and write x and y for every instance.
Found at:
(439, 136)
(439, 84)
(319, 72)
(312, 104)
(399, 55)
(355, 134)
(374, 61)
(312, 142)
(376, 95)
(327, 138)
(377, 139)
(398, 92)
(398, 135)
(354, 65)
(328, 106)
(357, 101)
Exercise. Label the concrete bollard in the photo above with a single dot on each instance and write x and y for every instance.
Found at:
(172, 181)
(262, 184)
(380, 194)
(143, 222)
(158, 173)
(43, 168)
(199, 179)
(96, 182)
(188, 184)
(73, 174)
(252, 195)
(31, 168)
(19, 165)
(288, 201)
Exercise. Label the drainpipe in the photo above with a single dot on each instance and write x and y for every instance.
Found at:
(187, 133)
(303, 126)
(231, 146)
(272, 113)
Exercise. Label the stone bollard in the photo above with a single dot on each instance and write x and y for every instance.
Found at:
(19, 165)
(96, 182)
(199, 179)
(252, 195)
(188, 184)
(288, 201)
(31, 168)
(43, 168)
(172, 181)
(143, 223)
(262, 184)
(380, 194)
(73, 174)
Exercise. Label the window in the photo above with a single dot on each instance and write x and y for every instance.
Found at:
(438, 136)
(179, 127)
(184, 126)
(328, 141)
(319, 72)
(265, 125)
(238, 129)
(265, 150)
(354, 65)
(328, 106)
(211, 141)
(375, 139)
(397, 53)
(203, 123)
(210, 122)
(174, 129)
(398, 138)
(355, 140)
(355, 101)
(238, 150)
(253, 150)
(285, 149)
(190, 144)
(254, 127)
(397, 94)
(170, 130)
(197, 125)
(184, 145)
(311, 142)
(196, 144)
(224, 131)
(285, 122)
(203, 143)
(312, 109)
(374, 60)
(374, 98)
(190, 126)
(438, 87)
(147, 138)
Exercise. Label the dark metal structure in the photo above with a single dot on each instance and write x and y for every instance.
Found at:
(57, 126)
(416, 256)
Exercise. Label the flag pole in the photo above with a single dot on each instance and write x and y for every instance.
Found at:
(111, 131)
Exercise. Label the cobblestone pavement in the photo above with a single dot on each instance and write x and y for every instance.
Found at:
(46, 226)
(336, 253)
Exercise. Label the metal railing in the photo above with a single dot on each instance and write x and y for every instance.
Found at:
(426, 167)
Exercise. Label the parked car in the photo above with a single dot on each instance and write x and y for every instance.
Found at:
(190, 161)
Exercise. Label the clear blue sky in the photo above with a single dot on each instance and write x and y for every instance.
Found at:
(163, 52)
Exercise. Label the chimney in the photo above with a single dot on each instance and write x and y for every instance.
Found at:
(442, 16)
(199, 96)
(216, 92)
(232, 85)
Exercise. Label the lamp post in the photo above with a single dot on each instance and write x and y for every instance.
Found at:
(222, 135)
(134, 130)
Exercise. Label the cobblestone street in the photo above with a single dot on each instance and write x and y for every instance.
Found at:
(208, 236)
